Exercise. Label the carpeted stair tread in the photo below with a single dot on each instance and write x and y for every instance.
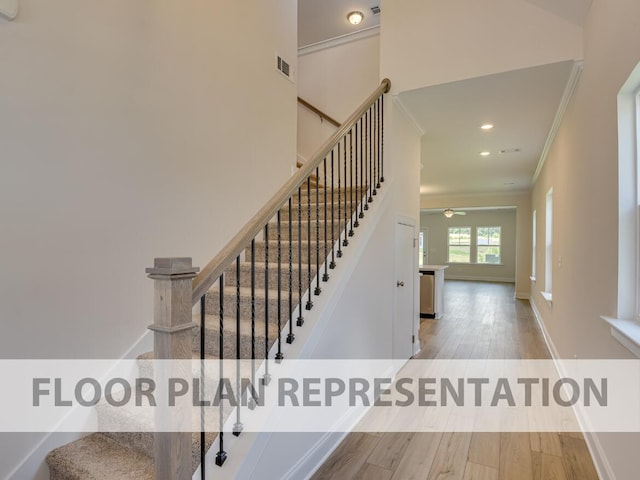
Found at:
(97, 457)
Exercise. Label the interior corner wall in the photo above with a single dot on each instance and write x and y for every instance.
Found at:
(522, 202)
(336, 79)
(582, 168)
(128, 131)
(430, 42)
(437, 226)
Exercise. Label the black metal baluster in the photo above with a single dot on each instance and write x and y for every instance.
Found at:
(203, 428)
(375, 183)
(356, 223)
(339, 253)
(300, 321)
(266, 378)
(346, 215)
(365, 171)
(309, 304)
(359, 195)
(290, 336)
(351, 181)
(325, 276)
(332, 264)
(370, 155)
(279, 355)
(252, 400)
(221, 456)
(237, 427)
(381, 139)
(317, 290)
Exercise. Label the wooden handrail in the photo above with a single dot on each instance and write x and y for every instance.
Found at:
(319, 112)
(223, 260)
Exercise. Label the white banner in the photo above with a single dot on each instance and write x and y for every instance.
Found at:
(320, 395)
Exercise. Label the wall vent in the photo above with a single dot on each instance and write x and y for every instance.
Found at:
(284, 67)
(375, 10)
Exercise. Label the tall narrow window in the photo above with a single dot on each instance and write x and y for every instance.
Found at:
(459, 245)
(534, 228)
(548, 253)
(488, 241)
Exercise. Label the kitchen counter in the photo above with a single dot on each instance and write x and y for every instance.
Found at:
(432, 290)
(432, 268)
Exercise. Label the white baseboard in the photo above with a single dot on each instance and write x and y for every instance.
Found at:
(600, 460)
(316, 456)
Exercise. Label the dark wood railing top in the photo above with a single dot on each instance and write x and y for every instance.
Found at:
(319, 112)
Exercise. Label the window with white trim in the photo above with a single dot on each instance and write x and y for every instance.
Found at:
(548, 250)
(488, 245)
(625, 322)
(459, 245)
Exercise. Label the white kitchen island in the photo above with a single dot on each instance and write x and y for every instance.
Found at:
(432, 291)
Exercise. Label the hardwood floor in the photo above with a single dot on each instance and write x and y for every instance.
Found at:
(481, 320)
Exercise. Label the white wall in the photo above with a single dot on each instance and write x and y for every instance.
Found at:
(522, 202)
(438, 225)
(582, 169)
(335, 78)
(429, 42)
(127, 130)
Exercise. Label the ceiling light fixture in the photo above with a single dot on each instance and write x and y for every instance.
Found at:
(485, 154)
(448, 213)
(486, 126)
(355, 17)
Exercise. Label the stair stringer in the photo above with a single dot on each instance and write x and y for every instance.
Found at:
(248, 453)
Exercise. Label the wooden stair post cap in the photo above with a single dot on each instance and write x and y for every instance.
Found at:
(172, 266)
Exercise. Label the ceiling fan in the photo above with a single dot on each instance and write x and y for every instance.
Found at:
(449, 212)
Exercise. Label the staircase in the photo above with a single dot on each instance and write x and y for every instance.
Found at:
(253, 294)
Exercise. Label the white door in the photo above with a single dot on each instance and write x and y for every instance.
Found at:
(404, 284)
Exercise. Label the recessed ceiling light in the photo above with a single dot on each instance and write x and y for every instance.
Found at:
(355, 17)
(485, 154)
(486, 126)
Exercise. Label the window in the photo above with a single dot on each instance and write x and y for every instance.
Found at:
(548, 252)
(488, 245)
(625, 326)
(534, 228)
(459, 245)
(423, 247)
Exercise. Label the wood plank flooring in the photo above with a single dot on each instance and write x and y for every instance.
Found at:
(481, 320)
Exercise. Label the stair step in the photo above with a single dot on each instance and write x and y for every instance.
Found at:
(317, 227)
(97, 457)
(304, 247)
(260, 274)
(321, 214)
(305, 193)
(212, 303)
(212, 336)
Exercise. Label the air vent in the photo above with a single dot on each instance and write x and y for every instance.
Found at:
(375, 10)
(283, 66)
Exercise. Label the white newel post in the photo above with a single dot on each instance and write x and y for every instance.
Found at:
(172, 327)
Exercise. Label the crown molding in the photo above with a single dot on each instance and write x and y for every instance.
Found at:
(572, 83)
(337, 41)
